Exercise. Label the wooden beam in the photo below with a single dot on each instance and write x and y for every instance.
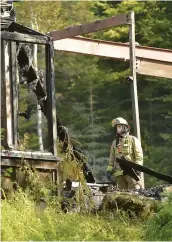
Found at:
(30, 163)
(25, 38)
(37, 155)
(89, 27)
(14, 92)
(51, 105)
(8, 92)
(3, 97)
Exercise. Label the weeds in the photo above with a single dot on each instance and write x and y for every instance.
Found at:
(22, 220)
(159, 227)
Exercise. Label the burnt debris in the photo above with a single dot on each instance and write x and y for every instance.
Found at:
(34, 80)
(153, 192)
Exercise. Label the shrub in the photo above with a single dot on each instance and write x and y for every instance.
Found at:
(159, 227)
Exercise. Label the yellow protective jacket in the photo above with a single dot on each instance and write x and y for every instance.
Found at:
(129, 147)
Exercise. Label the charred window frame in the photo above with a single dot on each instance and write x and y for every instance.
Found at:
(10, 84)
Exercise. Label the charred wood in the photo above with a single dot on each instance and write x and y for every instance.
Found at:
(34, 81)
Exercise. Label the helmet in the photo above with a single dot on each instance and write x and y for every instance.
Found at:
(119, 121)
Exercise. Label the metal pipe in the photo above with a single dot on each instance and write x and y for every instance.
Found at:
(133, 76)
(135, 106)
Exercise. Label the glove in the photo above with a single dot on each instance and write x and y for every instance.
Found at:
(113, 177)
(118, 172)
(110, 169)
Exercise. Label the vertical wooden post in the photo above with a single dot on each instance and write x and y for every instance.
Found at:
(51, 105)
(3, 96)
(9, 92)
(14, 92)
(8, 106)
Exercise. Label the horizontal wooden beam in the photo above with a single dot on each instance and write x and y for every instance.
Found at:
(47, 156)
(90, 27)
(30, 163)
(25, 38)
(160, 58)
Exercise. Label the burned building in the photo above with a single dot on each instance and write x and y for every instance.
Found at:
(17, 68)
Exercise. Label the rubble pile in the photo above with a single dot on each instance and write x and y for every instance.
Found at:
(156, 193)
(141, 203)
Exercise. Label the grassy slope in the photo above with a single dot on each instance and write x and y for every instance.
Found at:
(22, 221)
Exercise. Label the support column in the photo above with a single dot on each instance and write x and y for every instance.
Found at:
(15, 92)
(134, 94)
(3, 97)
(6, 92)
(133, 76)
(51, 104)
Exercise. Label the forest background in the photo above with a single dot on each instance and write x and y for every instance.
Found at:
(91, 91)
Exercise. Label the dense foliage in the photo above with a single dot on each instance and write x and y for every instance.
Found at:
(91, 91)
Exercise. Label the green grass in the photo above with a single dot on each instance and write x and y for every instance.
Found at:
(159, 227)
(21, 220)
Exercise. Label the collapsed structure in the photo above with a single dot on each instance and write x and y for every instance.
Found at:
(16, 57)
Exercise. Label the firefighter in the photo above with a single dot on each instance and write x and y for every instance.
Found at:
(126, 146)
